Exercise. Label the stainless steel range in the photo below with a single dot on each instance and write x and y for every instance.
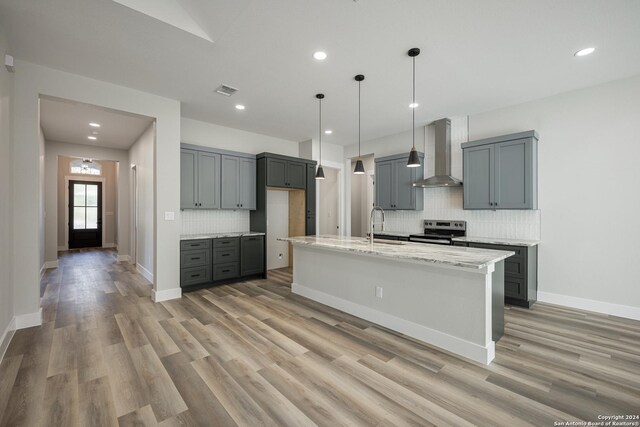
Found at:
(440, 232)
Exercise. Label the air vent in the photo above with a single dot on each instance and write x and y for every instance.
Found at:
(226, 90)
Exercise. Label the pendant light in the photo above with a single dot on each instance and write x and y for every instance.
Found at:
(320, 172)
(414, 160)
(359, 169)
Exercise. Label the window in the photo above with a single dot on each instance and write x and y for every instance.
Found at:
(85, 206)
(86, 167)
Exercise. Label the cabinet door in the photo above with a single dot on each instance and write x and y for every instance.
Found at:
(276, 173)
(384, 185)
(513, 175)
(188, 179)
(296, 174)
(310, 199)
(251, 255)
(404, 194)
(479, 177)
(247, 180)
(208, 180)
(230, 188)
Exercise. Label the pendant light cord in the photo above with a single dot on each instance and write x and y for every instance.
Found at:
(359, 119)
(413, 127)
(320, 131)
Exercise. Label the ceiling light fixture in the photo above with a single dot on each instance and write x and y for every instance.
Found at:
(93, 138)
(414, 105)
(328, 132)
(320, 171)
(239, 107)
(584, 52)
(414, 160)
(320, 56)
(94, 125)
(359, 169)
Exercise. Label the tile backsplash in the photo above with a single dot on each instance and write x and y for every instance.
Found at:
(213, 221)
(446, 203)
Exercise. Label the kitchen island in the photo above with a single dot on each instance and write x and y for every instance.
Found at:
(447, 296)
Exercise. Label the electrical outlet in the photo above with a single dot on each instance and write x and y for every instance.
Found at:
(279, 256)
(378, 291)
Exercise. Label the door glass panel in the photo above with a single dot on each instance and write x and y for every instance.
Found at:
(79, 194)
(79, 218)
(92, 218)
(92, 195)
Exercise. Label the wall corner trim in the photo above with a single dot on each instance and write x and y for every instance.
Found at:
(29, 320)
(7, 335)
(626, 311)
(145, 273)
(166, 294)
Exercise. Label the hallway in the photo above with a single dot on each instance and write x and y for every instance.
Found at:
(255, 354)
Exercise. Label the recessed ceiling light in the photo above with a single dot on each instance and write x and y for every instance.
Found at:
(94, 132)
(584, 52)
(328, 132)
(95, 125)
(239, 107)
(93, 138)
(320, 56)
(414, 105)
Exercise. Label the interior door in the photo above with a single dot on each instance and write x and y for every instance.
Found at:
(85, 214)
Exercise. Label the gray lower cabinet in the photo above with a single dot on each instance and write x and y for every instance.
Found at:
(520, 272)
(394, 183)
(199, 180)
(286, 173)
(206, 261)
(238, 183)
(501, 172)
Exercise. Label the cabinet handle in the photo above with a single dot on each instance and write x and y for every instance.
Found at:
(195, 259)
(195, 275)
(226, 254)
(226, 271)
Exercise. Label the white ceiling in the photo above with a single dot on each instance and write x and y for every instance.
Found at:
(476, 55)
(66, 121)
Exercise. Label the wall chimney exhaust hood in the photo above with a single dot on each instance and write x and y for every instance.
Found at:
(442, 177)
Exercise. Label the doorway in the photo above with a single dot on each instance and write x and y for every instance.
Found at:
(329, 209)
(85, 214)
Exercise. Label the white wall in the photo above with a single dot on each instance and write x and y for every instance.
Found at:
(54, 215)
(31, 81)
(589, 182)
(141, 154)
(6, 196)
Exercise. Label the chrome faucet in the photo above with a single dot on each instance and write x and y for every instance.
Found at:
(372, 222)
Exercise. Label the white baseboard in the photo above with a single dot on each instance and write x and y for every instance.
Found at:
(42, 269)
(626, 311)
(29, 320)
(63, 248)
(124, 258)
(431, 336)
(6, 337)
(108, 245)
(145, 273)
(167, 294)
(50, 264)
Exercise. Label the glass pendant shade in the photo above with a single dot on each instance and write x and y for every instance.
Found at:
(320, 173)
(359, 169)
(414, 160)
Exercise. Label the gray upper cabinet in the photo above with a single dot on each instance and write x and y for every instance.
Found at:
(501, 172)
(238, 182)
(394, 183)
(286, 173)
(216, 179)
(208, 180)
(199, 180)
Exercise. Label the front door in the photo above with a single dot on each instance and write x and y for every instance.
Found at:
(85, 214)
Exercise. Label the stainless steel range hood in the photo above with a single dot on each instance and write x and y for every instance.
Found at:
(442, 177)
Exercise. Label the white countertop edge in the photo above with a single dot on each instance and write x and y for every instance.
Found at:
(201, 236)
(497, 241)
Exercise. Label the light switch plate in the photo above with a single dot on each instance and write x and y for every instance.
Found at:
(169, 216)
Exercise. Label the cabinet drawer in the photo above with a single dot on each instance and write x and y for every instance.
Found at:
(225, 255)
(196, 258)
(514, 266)
(194, 276)
(514, 288)
(232, 242)
(226, 271)
(187, 245)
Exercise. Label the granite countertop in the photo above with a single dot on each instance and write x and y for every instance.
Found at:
(393, 233)
(497, 241)
(456, 256)
(220, 235)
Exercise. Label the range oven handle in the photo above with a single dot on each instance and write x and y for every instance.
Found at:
(437, 241)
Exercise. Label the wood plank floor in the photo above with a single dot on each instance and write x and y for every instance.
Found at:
(253, 354)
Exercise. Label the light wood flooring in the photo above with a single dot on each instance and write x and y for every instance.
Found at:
(253, 354)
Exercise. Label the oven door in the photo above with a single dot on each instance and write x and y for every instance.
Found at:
(432, 240)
